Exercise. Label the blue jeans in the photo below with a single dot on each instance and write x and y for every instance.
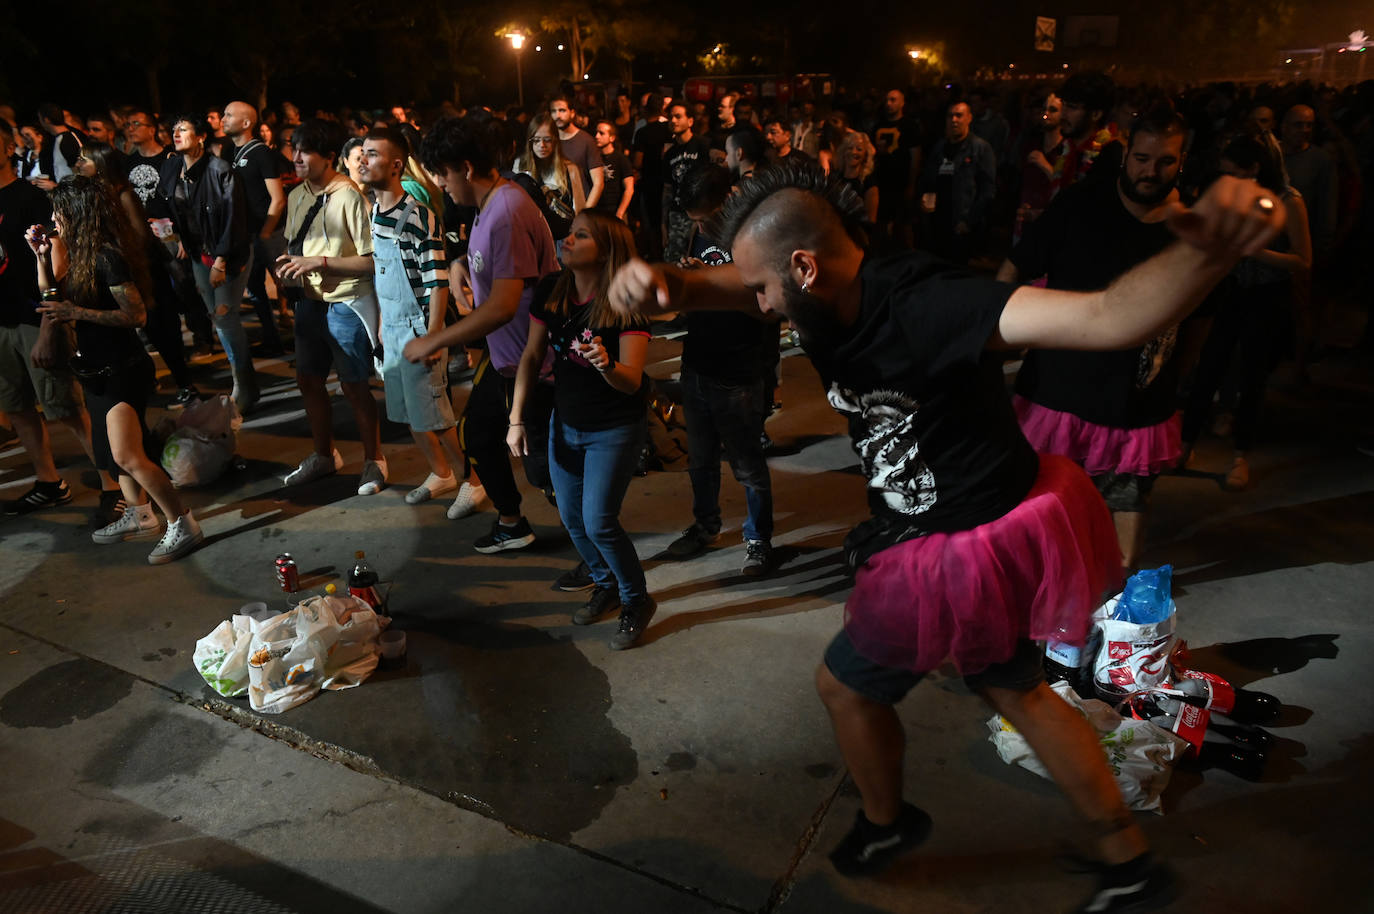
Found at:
(728, 416)
(591, 472)
(223, 303)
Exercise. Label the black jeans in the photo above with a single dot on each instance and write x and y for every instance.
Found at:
(730, 417)
(482, 433)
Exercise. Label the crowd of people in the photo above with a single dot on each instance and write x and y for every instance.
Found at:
(1152, 251)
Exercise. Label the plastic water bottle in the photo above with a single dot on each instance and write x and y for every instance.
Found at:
(1146, 597)
(362, 582)
(1065, 663)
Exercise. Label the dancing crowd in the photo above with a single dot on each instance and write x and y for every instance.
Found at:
(1151, 250)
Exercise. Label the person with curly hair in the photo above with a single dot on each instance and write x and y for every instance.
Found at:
(92, 271)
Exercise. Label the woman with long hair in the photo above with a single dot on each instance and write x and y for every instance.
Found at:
(598, 428)
(164, 324)
(1253, 315)
(211, 217)
(561, 180)
(92, 271)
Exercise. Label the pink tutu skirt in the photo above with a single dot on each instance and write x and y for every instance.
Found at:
(1100, 448)
(1037, 572)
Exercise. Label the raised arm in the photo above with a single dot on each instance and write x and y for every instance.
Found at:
(1234, 219)
(646, 288)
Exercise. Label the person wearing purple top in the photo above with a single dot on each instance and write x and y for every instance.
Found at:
(510, 248)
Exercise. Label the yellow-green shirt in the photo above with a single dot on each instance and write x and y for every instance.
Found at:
(342, 228)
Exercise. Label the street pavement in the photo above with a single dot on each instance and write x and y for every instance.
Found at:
(515, 763)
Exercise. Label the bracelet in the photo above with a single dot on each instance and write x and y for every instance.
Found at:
(326, 264)
(213, 268)
(514, 424)
(610, 364)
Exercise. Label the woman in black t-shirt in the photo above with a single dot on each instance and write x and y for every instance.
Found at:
(87, 273)
(598, 426)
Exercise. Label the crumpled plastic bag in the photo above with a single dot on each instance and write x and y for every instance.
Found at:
(1140, 754)
(203, 444)
(221, 657)
(322, 643)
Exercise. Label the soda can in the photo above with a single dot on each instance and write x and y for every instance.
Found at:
(288, 576)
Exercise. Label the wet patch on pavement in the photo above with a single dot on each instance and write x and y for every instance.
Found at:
(64, 693)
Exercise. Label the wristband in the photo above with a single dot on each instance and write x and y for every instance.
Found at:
(326, 264)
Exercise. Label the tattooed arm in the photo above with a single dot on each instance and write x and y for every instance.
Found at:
(131, 313)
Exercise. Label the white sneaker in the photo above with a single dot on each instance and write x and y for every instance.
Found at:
(183, 535)
(373, 478)
(469, 500)
(138, 521)
(314, 467)
(432, 487)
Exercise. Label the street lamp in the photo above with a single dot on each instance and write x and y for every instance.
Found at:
(517, 42)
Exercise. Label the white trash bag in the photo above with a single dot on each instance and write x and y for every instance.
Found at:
(1140, 754)
(221, 657)
(1131, 656)
(323, 643)
(204, 441)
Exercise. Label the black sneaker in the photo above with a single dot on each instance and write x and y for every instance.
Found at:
(42, 495)
(765, 443)
(185, 395)
(111, 509)
(602, 601)
(869, 849)
(634, 618)
(1142, 884)
(502, 537)
(692, 542)
(758, 558)
(574, 579)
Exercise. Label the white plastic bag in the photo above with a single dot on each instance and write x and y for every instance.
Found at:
(1140, 754)
(221, 657)
(204, 442)
(1131, 656)
(326, 642)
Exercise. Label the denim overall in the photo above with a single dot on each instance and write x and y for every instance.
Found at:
(415, 395)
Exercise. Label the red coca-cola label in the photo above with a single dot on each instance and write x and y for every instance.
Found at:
(1221, 695)
(1118, 650)
(1191, 725)
(368, 595)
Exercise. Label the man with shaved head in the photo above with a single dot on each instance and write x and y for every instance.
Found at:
(976, 547)
(1312, 172)
(258, 169)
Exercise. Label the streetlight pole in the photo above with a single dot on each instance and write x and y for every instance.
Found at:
(517, 41)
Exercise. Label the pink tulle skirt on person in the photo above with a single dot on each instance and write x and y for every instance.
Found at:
(1100, 449)
(1037, 572)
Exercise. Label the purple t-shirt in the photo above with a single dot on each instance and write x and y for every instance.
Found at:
(510, 240)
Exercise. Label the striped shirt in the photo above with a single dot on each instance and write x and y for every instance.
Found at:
(421, 245)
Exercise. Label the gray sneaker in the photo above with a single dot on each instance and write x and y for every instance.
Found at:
(129, 526)
(758, 558)
(314, 467)
(373, 478)
(182, 536)
(432, 487)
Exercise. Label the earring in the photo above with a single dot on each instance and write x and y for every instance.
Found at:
(805, 288)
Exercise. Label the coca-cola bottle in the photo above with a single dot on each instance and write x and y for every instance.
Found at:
(362, 582)
(1207, 690)
(1207, 746)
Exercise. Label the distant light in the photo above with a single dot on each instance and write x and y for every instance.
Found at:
(915, 54)
(586, 76)
(1011, 66)
(949, 85)
(517, 40)
(539, 47)
(560, 47)
(717, 50)
(1289, 60)
(1066, 66)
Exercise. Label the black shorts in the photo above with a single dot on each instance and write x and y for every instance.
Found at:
(1021, 672)
(132, 383)
(1124, 492)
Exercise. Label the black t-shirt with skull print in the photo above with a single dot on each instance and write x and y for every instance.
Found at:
(927, 408)
(144, 172)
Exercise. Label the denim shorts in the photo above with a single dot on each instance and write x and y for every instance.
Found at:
(416, 395)
(1022, 672)
(330, 334)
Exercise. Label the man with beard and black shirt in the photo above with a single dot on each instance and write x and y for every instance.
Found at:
(258, 169)
(958, 187)
(897, 165)
(687, 154)
(1112, 412)
(779, 140)
(579, 149)
(143, 164)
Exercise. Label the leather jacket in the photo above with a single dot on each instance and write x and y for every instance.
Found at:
(212, 215)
